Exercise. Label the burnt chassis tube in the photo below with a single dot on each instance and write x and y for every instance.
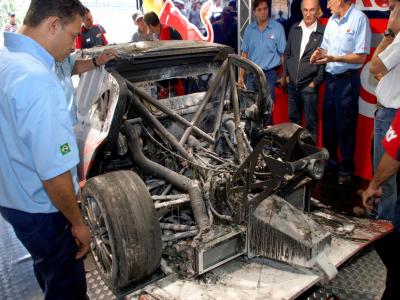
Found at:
(264, 104)
(192, 187)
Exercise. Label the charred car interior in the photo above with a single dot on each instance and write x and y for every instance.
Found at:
(180, 170)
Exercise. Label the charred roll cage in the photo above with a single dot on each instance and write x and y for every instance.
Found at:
(196, 179)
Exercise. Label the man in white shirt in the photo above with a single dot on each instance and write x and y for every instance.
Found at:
(302, 77)
(386, 62)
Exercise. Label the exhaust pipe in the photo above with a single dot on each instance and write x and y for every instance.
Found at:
(183, 183)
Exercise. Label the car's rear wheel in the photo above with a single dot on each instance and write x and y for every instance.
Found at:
(120, 213)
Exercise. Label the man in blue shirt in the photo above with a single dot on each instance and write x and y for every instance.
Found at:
(264, 44)
(38, 148)
(344, 49)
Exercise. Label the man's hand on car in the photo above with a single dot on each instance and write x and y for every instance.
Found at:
(106, 56)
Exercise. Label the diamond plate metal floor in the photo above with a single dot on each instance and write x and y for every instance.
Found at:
(17, 280)
(97, 289)
(361, 278)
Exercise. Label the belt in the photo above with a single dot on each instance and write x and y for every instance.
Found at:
(272, 69)
(344, 74)
(380, 105)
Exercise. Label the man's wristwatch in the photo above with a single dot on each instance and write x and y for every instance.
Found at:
(94, 61)
(389, 32)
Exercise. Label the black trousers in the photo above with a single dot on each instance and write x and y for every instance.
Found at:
(388, 249)
(340, 116)
(48, 239)
(304, 100)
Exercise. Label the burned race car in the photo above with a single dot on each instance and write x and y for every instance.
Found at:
(178, 165)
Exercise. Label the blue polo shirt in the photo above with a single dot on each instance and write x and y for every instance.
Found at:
(351, 34)
(266, 47)
(36, 138)
(64, 73)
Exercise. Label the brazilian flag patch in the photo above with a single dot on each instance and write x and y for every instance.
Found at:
(65, 149)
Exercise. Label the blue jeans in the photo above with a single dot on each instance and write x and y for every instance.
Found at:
(270, 76)
(382, 122)
(48, 239)
(340, 115)
(306, 100)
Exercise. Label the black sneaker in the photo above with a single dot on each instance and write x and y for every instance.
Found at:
(344, 180)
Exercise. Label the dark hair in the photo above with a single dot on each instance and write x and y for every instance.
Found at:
(40, 10)
(256, 3)
(151, 18)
